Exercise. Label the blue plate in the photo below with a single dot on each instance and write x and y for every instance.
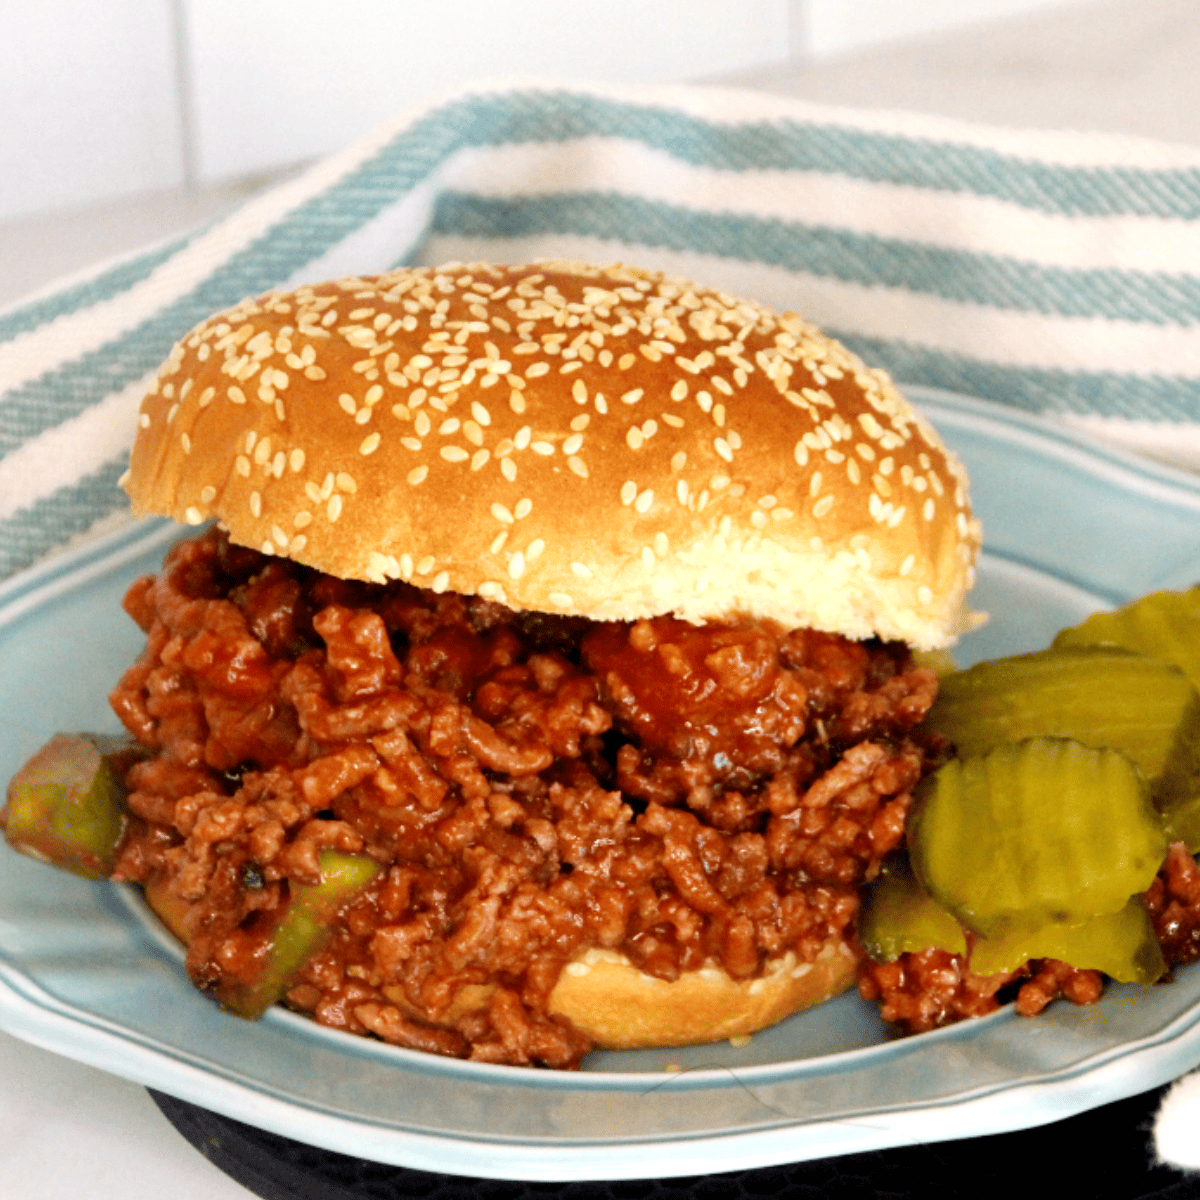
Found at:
(1069, 527)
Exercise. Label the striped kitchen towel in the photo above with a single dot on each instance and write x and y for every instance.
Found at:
(1055, 272)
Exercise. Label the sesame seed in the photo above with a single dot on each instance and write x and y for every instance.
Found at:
(333, 509)
(822, 506)
(346, 482)
(370, 444)
(441, 581)
(758, 519)
(508, 469)
(498, 541)
(634, 396)
(562, 600)
(194, 516)
(278, 463)
(629, 492)
(662, 544)
(523, 509)
(534, 549)
(545, 449)
(578, 466)
(516, 565)
(648, 558)
(418, 475)
(635, 438)
(680, 390)
(907, 565)
(572, 444)
(924, 595)
(814, 484)
(678, 460)
(255, 504)
(426, 565)
(479, 459)
(722, 448)
(580, 571)
(644, 501)
(502, 514)
(279, 537)
(523, 437)
(144, 420)
(411, 443)
(454, 454)
(236, 395)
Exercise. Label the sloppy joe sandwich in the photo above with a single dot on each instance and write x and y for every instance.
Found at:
(550, 651)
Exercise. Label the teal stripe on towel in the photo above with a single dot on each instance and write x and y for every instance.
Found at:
(103, 287)
(35, 531)
(864, 259)
(1102, 394)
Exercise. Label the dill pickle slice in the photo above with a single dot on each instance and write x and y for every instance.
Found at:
(1121, 944)
(1042, 831)
(1101, 696)
(898, 915)
(1162, 625)
(66, 805)
(303, 931)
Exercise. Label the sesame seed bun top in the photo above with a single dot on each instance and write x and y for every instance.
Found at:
(601, 441)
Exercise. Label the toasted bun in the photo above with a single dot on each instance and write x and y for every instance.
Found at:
(604, 442)
(622, 1008)
(603, 995)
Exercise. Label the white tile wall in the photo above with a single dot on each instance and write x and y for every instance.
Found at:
(833, 26)
(281, 80)
(89, 102)
(106, 98)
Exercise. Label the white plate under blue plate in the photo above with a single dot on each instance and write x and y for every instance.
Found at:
(1069, 527)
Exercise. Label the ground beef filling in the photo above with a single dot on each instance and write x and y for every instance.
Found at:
(532, 786)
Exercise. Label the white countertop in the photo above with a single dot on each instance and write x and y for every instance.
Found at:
(70, 1132)
(1119, 65)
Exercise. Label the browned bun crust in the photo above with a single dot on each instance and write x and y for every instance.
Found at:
(604, 996)
(600, 441)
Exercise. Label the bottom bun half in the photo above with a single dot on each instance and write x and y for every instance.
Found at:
(620, 1007)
